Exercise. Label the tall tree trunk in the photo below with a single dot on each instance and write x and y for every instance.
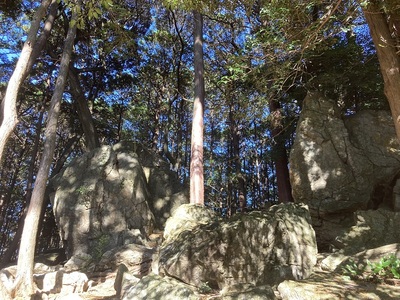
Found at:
(30, 51)
(389, 60)
(280, 154)
(237, 165)
(230, 199)
(196, 163)
(4, 208)
(181, 107)
(23, 285)
(84, 114)
(13, 246)
(41, 41)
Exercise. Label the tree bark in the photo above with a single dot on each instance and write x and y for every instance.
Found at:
(84, 114)
(280, 155)
(13, 246)
(23, 286)
(180, 91)
(389, 60)
(7, 255)
(237, 165)
(30, 51)
(196, 162)
(41, 41)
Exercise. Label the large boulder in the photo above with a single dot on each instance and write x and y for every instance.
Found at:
(105, 198)
(187, 217)
(154, 287)
(166, 192)
(48, 279)
(62, 282)
(136, 258)
(257, 248)
(248, 291)
(343, 164)
(373, 228)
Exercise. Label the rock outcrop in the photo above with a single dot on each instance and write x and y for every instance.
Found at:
(113, 196)
(49, 279)
(373, 228)
(339, 165)
(154, 287)
(157, 287)
(257, 248)
(343, 164)
(137, 259)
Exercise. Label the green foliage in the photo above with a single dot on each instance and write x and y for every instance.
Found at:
(92, 10)
(134, 61)
(204, 288)
(185, 4)
(203, 7)
(100, 245)
(353, 270)
(85, 195)
(386, 267)
(347, 73)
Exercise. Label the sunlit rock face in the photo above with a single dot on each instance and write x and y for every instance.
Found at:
(257, 248)
(343, 164)
(339, 165)
(105, 198)
(373, 228)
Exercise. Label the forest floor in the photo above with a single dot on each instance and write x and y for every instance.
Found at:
(330, 285)
(320, 285)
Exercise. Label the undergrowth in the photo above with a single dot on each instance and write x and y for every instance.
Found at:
(388, 267)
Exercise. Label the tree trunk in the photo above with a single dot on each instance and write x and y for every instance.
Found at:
(23, 285)
(196, 162)
(389, 60)
(41, 41)
(30, 50)
(7, 255)
(181, 107)
(84, 114)
(13, 246)
(237, 165)
(280, 154)
(67, 149)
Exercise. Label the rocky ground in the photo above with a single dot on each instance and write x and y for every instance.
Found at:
(320, 285)
(328, 285)
(326, 282)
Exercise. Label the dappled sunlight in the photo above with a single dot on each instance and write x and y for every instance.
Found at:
(327, 285)
(316, 176)
(373, 228)
(337, 162)
(257, 248)
(109, 202)
(157, 287)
